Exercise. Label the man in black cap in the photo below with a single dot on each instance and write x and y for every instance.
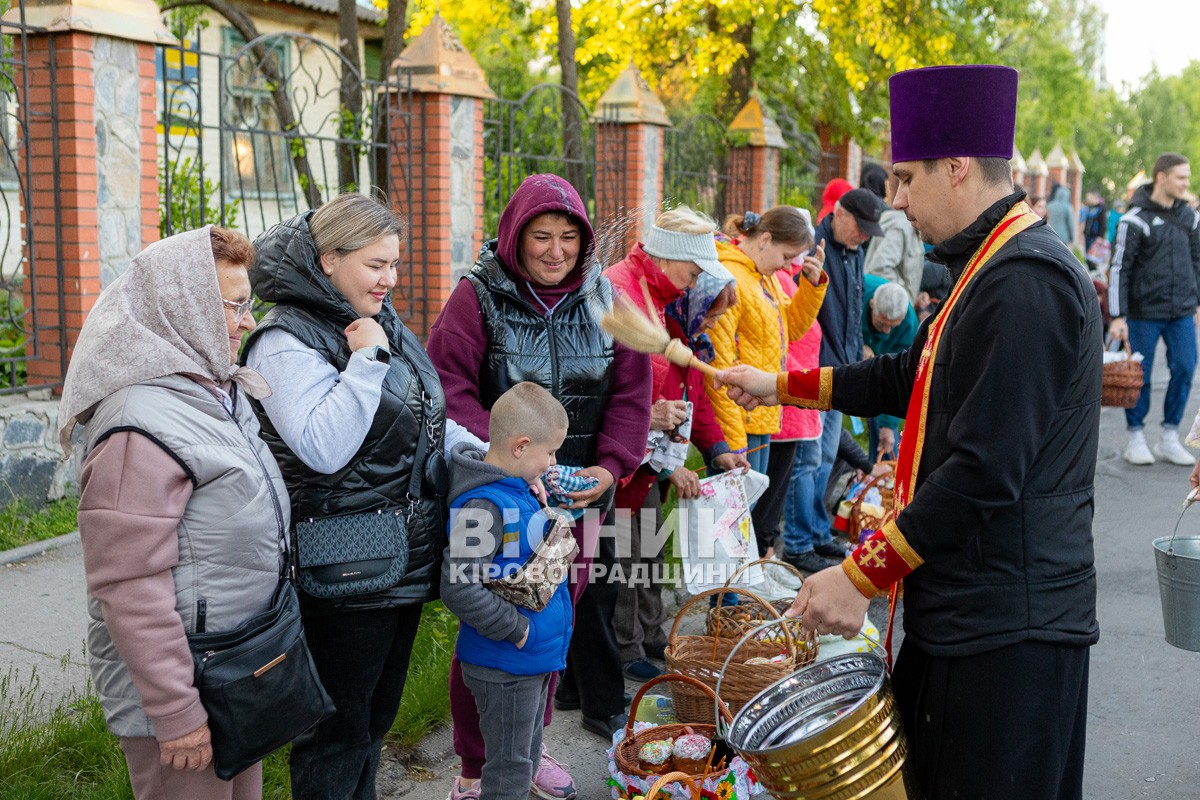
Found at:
(994, 482)
(855, 219)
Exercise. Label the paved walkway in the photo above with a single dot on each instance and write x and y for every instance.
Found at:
(1141, 735)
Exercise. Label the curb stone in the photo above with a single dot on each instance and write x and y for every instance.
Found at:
(27, 551)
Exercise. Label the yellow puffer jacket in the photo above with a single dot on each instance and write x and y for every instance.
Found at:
(755, 331)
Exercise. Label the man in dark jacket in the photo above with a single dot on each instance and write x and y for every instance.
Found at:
(994, 483)
(1154, 292)
(855, 219)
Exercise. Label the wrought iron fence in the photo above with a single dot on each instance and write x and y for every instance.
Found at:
(256, 133)
(698, 170)
(31, 222)
(800, 176)
(530, 135)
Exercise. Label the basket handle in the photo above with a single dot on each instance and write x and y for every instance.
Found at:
(723, 727)
(722, 709)
(672, 777)
(722, 591)
(871, 481)
(761, 562)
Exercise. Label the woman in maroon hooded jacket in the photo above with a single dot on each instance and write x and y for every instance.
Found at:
(529, 311)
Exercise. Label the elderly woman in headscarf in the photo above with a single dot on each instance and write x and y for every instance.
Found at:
(182, 510)
(529, 311)
(678, 250)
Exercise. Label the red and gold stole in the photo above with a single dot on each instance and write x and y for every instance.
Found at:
(885, 558)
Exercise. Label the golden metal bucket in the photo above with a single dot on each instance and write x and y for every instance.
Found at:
(829, 731)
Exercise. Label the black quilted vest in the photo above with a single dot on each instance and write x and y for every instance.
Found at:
(566, 352)
(378, 474)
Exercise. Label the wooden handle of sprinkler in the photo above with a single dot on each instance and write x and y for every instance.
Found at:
(681, 355)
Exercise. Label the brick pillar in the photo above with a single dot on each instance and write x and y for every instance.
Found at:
(92, 176)
(629, 185)
(841, 158)
(436, 171)
(755, 173)
(630, 122)
(754, 161)
(436, 181)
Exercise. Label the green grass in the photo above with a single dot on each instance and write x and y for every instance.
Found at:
(21, 524)
(57, 753)
(63, 751)
(426, 701)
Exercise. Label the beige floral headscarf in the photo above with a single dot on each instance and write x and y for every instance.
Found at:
(163, 316)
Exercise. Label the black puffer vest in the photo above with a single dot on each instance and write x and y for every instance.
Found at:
(566, 352)
(378, 475)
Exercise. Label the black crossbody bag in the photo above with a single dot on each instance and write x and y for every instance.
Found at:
(258, 684)
(258, 681)
(364, 552)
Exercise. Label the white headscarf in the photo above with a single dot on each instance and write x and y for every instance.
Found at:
(163, 316)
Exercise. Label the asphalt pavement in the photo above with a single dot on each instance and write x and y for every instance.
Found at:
(1143, 694)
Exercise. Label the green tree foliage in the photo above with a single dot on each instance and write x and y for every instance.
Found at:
(1166, 110)
(1057, 51)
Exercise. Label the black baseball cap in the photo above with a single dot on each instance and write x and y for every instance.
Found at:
(866, 209)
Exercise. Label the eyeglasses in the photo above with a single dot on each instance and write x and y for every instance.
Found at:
(238, 309)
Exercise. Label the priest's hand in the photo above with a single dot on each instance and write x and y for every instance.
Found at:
(828, 602)
(748, 387)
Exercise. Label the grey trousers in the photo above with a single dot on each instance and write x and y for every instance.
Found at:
(510, 718)
(638, 619)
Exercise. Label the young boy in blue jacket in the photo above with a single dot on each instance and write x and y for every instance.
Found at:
(508, 653)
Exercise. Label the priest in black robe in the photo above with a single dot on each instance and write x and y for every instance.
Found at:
(992, 535)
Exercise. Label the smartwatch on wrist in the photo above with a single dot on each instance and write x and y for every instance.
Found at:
(375, 353)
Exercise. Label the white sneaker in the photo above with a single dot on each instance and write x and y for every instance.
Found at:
(1136, 452)
(1169, 449)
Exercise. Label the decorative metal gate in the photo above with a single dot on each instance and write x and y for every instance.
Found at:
(274, 140)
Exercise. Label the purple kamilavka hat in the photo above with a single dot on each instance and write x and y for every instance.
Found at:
(939, 112)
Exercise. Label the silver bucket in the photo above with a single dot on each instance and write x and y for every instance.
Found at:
(1178, 562)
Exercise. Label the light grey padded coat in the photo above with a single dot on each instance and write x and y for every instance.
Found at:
(230, 536)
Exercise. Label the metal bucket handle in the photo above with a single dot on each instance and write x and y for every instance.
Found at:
(722, 726)
(1191, 498)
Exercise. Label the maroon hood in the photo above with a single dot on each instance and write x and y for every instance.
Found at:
(539, 194)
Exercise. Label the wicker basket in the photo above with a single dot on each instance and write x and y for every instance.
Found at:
(732, 622)
(627, 750)
(864, 520)
(1121, 383)
(671, 777)
(703, 657)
